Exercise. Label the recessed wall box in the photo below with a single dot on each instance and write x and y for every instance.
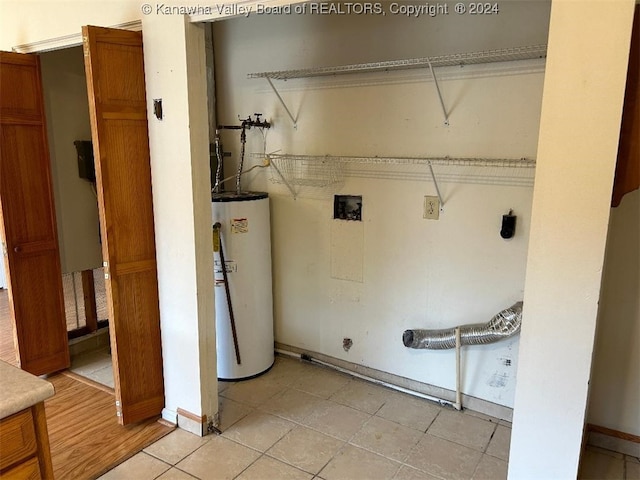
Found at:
(86, 168)
(347, 207)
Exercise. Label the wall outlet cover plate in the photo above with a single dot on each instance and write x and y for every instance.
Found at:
(431, 208)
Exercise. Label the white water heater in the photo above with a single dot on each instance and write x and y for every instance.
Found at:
(245, 300)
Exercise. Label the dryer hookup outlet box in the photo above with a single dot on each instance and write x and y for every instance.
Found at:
(347, 207)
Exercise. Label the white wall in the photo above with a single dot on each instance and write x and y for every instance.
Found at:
(175, 72)
(42, 20)
(30, 22)
(415, 273)
(615, 382)
(67, 110)
(577, 149)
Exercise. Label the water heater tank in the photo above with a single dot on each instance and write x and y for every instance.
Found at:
(246, 246)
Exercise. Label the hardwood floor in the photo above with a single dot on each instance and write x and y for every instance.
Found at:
(7, 349)
(84, 434)
(85, 437)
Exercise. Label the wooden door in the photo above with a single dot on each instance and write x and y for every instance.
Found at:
(27, 216)
(117, 106)
(627, 177)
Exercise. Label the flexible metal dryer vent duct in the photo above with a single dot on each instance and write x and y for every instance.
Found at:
(502, 325)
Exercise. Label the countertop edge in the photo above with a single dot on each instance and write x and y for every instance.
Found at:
(20, 390)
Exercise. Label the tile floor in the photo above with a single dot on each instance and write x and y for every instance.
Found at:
(600, 464)
(95, 365)
(301, 421)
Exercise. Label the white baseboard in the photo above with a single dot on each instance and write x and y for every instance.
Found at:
(170, 416)
(407, 385)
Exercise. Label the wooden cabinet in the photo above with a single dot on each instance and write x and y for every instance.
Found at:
(24, 445)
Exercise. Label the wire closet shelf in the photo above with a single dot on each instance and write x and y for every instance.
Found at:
(456, 59)
(322, 171)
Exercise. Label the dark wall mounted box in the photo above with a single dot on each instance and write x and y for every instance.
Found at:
(86, 167)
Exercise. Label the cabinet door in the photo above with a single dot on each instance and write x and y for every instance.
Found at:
(27, 218)
(117, 106)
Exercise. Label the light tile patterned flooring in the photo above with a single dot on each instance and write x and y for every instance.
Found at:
(95, 365)
(598, 464)
(300, 421)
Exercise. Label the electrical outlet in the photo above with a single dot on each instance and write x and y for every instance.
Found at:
(431, 208)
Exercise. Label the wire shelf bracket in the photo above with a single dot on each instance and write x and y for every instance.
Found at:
(435, 184)
(284, 105)
(282, 177)
(444, 110)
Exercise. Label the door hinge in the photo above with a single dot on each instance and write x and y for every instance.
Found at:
(106, 270)
(85, 46)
